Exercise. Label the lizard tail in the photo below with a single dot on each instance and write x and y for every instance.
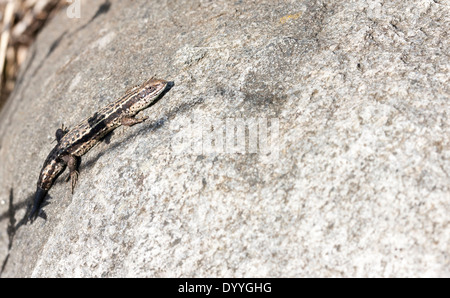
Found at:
(38, 199)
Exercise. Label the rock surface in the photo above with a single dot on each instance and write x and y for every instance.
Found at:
(356, 183)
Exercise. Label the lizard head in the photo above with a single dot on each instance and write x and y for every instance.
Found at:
(151, 90)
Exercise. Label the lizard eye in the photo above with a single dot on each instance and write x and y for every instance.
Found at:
(142, 94)
(150, 90)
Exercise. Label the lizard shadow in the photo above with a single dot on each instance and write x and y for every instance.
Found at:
(12, 227)
(14, 207)
(13, 224)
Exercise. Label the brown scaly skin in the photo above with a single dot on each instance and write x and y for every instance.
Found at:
(74, 143)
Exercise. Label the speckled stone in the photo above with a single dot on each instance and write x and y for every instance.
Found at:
(354, 97)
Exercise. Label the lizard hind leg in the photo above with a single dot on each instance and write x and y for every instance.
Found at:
(73, 163)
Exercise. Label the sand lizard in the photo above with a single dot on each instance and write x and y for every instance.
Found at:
(74, 143)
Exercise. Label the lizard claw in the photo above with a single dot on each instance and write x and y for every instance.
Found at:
(74, 179)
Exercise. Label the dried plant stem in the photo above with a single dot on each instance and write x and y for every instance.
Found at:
(6, 33)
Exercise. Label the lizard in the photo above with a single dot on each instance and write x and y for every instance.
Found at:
(74, 143)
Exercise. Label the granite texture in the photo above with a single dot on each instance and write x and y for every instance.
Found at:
(353, 180)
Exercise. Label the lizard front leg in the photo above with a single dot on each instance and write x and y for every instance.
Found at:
(130, 121)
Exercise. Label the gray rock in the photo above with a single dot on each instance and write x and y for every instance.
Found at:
(352, 181)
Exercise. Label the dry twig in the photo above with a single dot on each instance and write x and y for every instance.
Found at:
(21, 21)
